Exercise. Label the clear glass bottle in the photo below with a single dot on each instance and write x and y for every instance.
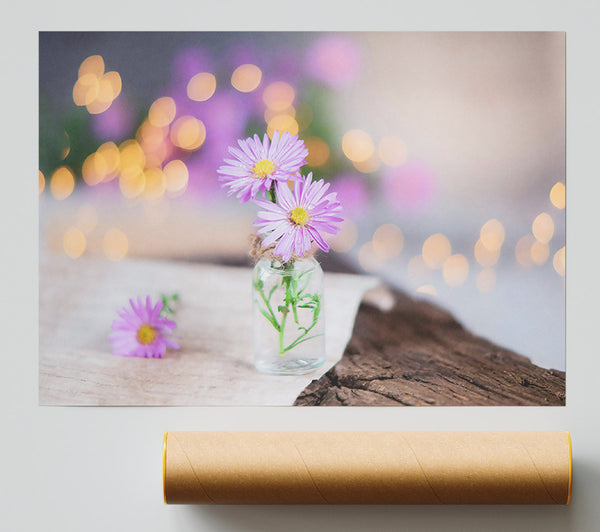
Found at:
(288, 317)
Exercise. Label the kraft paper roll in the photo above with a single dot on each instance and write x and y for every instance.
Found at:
(367, 467)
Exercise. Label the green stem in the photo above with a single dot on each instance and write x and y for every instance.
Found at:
(272, 194)
(299, 340)
(268, 305)
(294, 299)
(169, 303)
(288, 299)
(281, 330)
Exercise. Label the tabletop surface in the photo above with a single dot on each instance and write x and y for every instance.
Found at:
(214, 366)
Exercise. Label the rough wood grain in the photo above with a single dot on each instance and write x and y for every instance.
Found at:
(415, 353)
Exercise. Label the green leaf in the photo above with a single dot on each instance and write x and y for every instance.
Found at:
(270, 318)
(271, 292)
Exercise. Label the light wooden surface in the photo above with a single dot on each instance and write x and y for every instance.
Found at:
(79, 299)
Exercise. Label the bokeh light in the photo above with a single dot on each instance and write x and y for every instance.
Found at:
(357, 145)
(105, 91)
(41, 182)
(368, 259)
(188, 133)
(523, 250)
(108, 159)
(270, 114)
(189, 61)
(151, 136)
(108, 88)
(201, 87)
(62, 183)
(392, 151)
(155, 184)
(278, 96)
(176, 176)
(162, 112)
(115, 244)
(93, 65)
(333, 60)
(543, 228)
(558, 195)
(436, 249)
(409, 187)
(318, 151)
(86, 90)
(91, 171)
(559, 261)
(116, 122)
(157, 155)
(492, 235)
(352, 192)
(346, 238)
(428, 289)
(74, 242)
(388, 241)
(66, 147)
(282, 123)
(484, 256)
(539, 252)
(132, 184)
(113, 80)
(455, 270)
(370, 166)
(154, 142)
(246, 78)
(486, 280)
(94, 89)
(98, 106)
(132, 159)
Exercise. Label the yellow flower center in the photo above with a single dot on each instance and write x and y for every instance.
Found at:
(263, 168)
(299, 216)
(146, 334)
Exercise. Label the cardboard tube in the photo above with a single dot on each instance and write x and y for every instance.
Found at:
(367, 467)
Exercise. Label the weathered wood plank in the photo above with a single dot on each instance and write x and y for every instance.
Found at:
(417, 354)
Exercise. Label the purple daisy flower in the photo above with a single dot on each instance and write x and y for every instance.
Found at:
(257, 164)
(299, 217)
(141, 331)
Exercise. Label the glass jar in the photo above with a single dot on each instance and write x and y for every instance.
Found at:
(288, 317)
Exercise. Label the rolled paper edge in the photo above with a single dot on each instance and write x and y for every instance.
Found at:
(570, 467)
(164, 467)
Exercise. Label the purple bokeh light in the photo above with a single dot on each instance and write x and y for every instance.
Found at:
(334, 60)
(188, 62)
(115, 123)
(353, 193)
(409, 187)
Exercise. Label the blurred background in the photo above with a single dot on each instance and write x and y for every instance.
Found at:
(447, 151)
